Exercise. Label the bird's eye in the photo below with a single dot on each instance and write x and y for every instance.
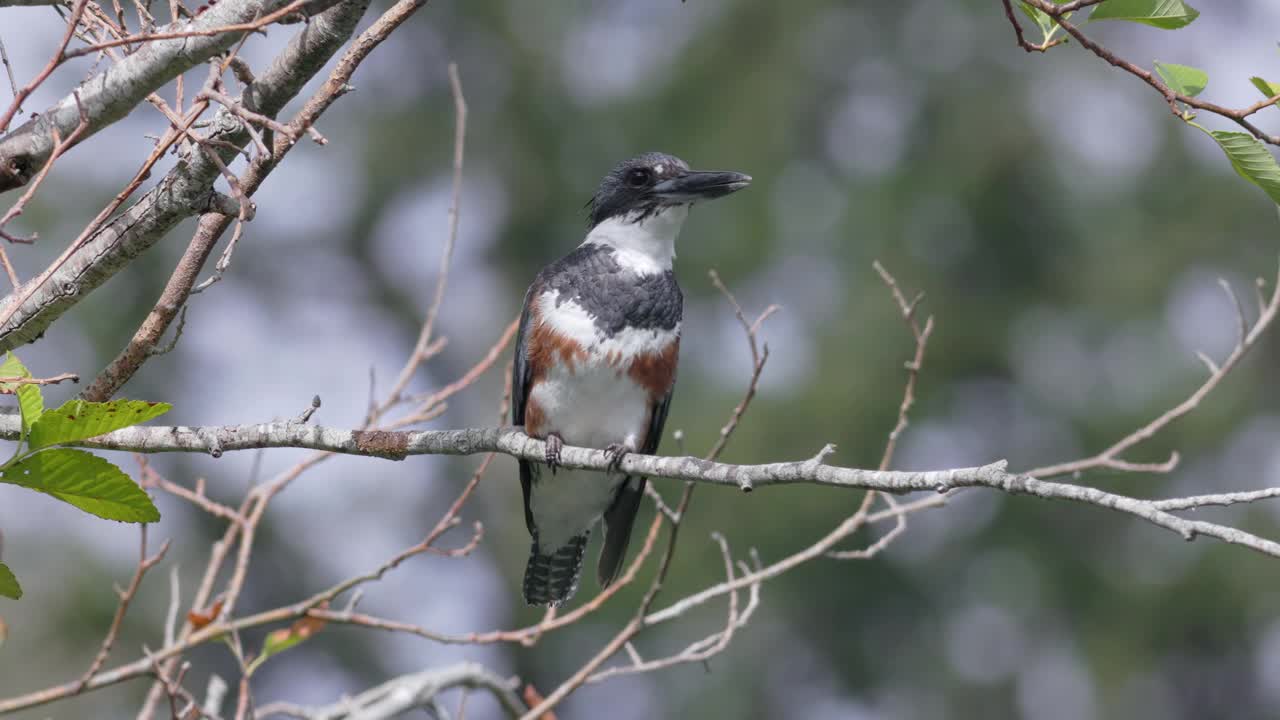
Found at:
(638, 177)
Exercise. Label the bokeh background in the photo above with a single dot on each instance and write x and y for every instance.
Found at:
(1069, 233)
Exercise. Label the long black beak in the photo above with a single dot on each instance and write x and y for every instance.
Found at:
(697, 185)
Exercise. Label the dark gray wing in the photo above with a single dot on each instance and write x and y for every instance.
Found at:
(620, 518)
(520, 376)
(657, 423)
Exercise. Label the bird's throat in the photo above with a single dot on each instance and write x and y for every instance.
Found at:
(643, 243)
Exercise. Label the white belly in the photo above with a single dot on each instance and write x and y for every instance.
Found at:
(595, 406)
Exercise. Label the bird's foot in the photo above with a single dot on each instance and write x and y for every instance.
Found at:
(555, 443)
(616, 451)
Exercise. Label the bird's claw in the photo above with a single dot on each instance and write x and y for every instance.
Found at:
(552, 454)
(616, 451)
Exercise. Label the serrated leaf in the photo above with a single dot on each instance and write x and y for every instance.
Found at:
(1183, 79)
(1268, 89)
(30, 399)
(13, 367)
(77, 420)
(9, 586)
(1163, 14)
(85, 481)
(1251, 159)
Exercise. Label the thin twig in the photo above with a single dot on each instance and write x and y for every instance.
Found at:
(442, 276)
(16, 380)
(145, 563)
(1110, 457)
(247, 27)
(9, 270)
(8, 69)
(59, 56)
(60, 146)
(907, 309)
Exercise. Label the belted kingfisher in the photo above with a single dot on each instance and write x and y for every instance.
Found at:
(595, 364)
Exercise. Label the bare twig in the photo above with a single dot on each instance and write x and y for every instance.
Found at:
(58, 57)
(148, 477)
(759, 355)
(249, 116)
(8, 69)
(402, 694)
(442, 277)
(15, 380)
(1110, 457)
(921, 336)
(705, 648)
(60, 146)
(145, 563)
(231, 29)
(9, 270)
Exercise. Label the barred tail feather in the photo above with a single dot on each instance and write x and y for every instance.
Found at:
(552, 578)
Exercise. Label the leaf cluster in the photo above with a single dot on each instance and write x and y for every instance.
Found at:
(1247, 154)
(76, 477)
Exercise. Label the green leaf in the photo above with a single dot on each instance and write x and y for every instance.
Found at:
(1048, 26)
(12, 367)
(280, 640)
(85, 481)
(9, 586)
(1046, 23)
(31, 402)
(1251, 159)
(30, 399)
(1163, 14)
(77, 420)
(1268, 89)
(1183, 79)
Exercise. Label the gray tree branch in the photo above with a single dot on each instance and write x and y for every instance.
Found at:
(397, 445)
(407, 692)
(186, 190)
(115, 92)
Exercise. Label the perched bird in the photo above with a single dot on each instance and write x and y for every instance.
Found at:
(595, 364)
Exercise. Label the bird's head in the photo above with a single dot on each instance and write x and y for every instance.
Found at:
(646, 184)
